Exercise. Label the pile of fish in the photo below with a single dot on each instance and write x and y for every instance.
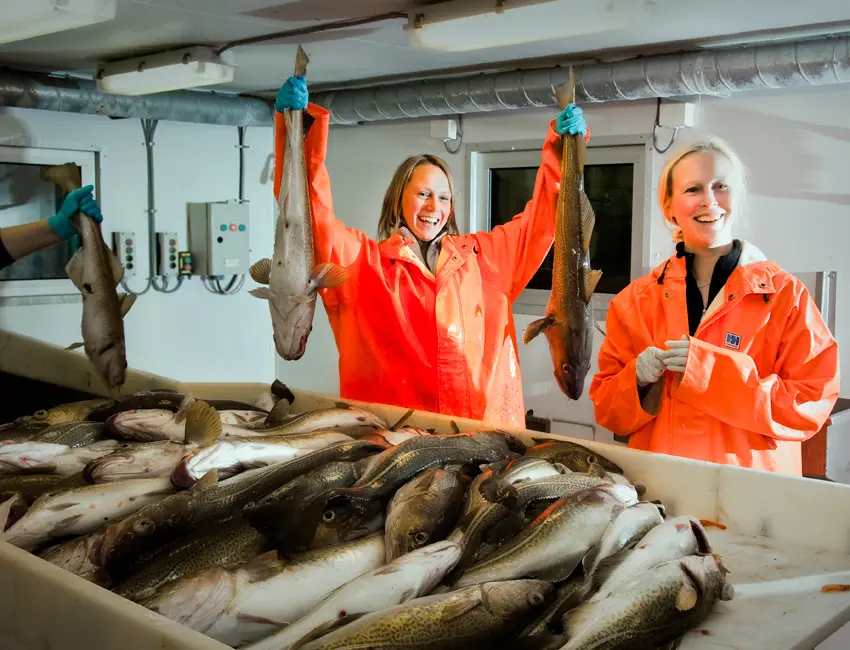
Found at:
(330, 529)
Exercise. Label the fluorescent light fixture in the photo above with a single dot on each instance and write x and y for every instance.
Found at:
(23, 19)
(464, 25)
(176, 70)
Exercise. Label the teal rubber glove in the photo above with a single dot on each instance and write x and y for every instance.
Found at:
(80, 200)
(571, 120)
(292, 94)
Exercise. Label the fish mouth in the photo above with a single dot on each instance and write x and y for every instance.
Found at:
(703, 545)
(570, 384)
(182, 475)
(95, 468)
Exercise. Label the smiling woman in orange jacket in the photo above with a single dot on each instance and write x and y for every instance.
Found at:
(718, 354)
(425, 320)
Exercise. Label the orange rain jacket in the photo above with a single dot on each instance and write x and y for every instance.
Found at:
(445, 344)
(760, 378)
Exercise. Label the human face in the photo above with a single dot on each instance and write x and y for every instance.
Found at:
(426, 202)
(701, 202)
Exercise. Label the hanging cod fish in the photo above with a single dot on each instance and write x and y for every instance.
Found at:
(290, 278)
(95, 271)
(568, 323)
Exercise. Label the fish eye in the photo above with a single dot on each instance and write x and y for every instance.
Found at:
(144, 526)
(328, 516)
(565, 368)
(536, 599)
(40, 414)
(592, 459)
(421, 537)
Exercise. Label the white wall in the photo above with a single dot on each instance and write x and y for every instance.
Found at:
(795, 143)
(191, 335)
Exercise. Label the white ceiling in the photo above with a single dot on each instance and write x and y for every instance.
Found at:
(381, 50)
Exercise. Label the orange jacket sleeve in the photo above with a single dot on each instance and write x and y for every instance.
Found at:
(614, 389)
(793, 402)
(520, 246)
(332, 241)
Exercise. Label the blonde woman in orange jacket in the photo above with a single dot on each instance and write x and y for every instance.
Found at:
(718, 354)
(425, 319)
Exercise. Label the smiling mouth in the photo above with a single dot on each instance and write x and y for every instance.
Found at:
(708, 218)
(431, 221)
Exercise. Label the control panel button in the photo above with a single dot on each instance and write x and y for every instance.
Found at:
(223, 227)
(233, 227)
(242, 227)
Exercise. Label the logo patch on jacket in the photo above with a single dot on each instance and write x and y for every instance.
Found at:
(733, 341)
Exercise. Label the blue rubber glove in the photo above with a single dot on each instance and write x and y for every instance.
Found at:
(571, 120)
(80, 200)
(292, 94)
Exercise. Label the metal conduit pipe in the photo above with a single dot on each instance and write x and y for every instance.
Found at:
(70, 95)
(707, 72)
(710, 72)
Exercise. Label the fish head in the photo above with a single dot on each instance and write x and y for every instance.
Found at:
(128, 462)
(706, 575)
(140, 424)
(510, 598)
(570, 349)
(196, 601)
(222, 456)
(435, 561)
(111, 363)
(291, 326)
(345, 520)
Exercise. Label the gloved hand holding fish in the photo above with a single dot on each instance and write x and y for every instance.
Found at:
(327, 529)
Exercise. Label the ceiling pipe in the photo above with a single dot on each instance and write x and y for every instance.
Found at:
(717, 72)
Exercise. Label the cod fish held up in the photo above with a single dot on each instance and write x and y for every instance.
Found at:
(290, 280)
(95, 271)
(568, 323)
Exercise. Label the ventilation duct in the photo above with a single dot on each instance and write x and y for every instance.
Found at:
(70, 95)
(707, 72)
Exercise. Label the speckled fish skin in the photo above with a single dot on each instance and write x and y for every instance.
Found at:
(655, 607)
(572, 455)
(555, 543)
(456, 620)
(410, 576)
(218, 543)
(249, 602)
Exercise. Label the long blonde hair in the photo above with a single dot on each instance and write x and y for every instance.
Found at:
(710, 144)
(391, 217)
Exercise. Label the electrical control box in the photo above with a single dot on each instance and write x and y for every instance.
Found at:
(124, 245)
(166, 254)
(218, 238)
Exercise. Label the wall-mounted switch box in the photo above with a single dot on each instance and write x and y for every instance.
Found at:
(166, 254)
(218, 238)
(124, 245)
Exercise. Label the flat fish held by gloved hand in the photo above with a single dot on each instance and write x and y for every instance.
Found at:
(290, 278)
(95, 271)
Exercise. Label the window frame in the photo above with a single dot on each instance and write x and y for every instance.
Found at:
(26, 151)
(601, 150)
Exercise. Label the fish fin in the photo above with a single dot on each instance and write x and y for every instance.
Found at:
(599, 329)
(264, 293)
(687, 598)
(116, 266)
(456, 608)
(65, 523)
(387, 569)
(203, 425)
(260, 271)
(263, 567)
(75, 346)
(325, 628)
(575, 618)
(535, 328)
(404, 418)
(74, 269)
(208, 480)
(329, 275)
(556, 573)
(279, 389)
(591, 279)
(183, 408)
(590, 558)
(253, 618)
(454, 426)
(6, 514)
(588, 221)
(566, 92)
(127, 300)
(671, 645)
(343, 405)
(279, 414)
